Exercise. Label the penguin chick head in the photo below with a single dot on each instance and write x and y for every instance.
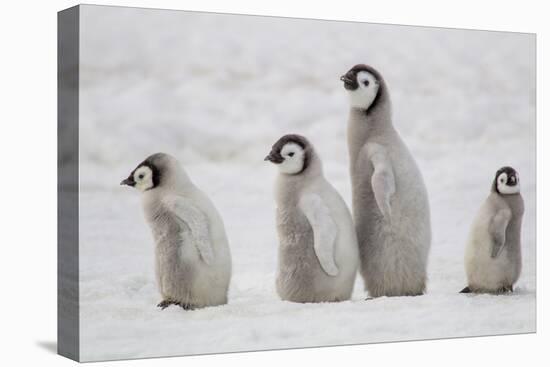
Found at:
(291, 154)
(147, 175)
(363, 85)
(506, 181)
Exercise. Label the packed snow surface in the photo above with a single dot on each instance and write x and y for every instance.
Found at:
(217, 91)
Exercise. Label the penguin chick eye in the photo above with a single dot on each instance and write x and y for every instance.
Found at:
(366, 83)
(140, 176)
(291, 154)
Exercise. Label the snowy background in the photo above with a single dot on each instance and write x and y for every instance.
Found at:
(217, 91)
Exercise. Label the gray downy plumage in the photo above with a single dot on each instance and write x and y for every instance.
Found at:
(493, 252)
(192, 256)
(390, 201)
(309, 209)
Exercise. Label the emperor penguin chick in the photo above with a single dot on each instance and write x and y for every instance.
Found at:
(192, 257)
(318, 255)
(390, 201)
(493, 251)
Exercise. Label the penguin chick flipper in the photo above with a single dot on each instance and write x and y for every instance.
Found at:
(324, 231)
(466, 290)
(192, 218)
(382, 181)
(497, 228)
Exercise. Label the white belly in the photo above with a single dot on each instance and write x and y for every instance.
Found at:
(484, 272)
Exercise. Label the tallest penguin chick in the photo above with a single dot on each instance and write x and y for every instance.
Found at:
(390, 202)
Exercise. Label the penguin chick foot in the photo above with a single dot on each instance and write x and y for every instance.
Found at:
(186, 306)
(505, 289)
(466, 290)
(165, 303)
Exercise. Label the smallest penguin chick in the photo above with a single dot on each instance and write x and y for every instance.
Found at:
(192, 257)
(318, 253)
(493, 251)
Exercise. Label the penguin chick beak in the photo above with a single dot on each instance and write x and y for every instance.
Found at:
(345, 79)
(274, 158)
(349, 82)
(128, 181)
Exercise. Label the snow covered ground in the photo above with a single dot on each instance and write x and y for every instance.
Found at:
(217, 91)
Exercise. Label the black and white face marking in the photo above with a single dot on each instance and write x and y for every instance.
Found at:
(362, 85)
(145, 177)
(507, 181)
(293, 159)
(289, 154)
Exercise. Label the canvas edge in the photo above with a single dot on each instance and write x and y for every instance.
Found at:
(68, 322)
